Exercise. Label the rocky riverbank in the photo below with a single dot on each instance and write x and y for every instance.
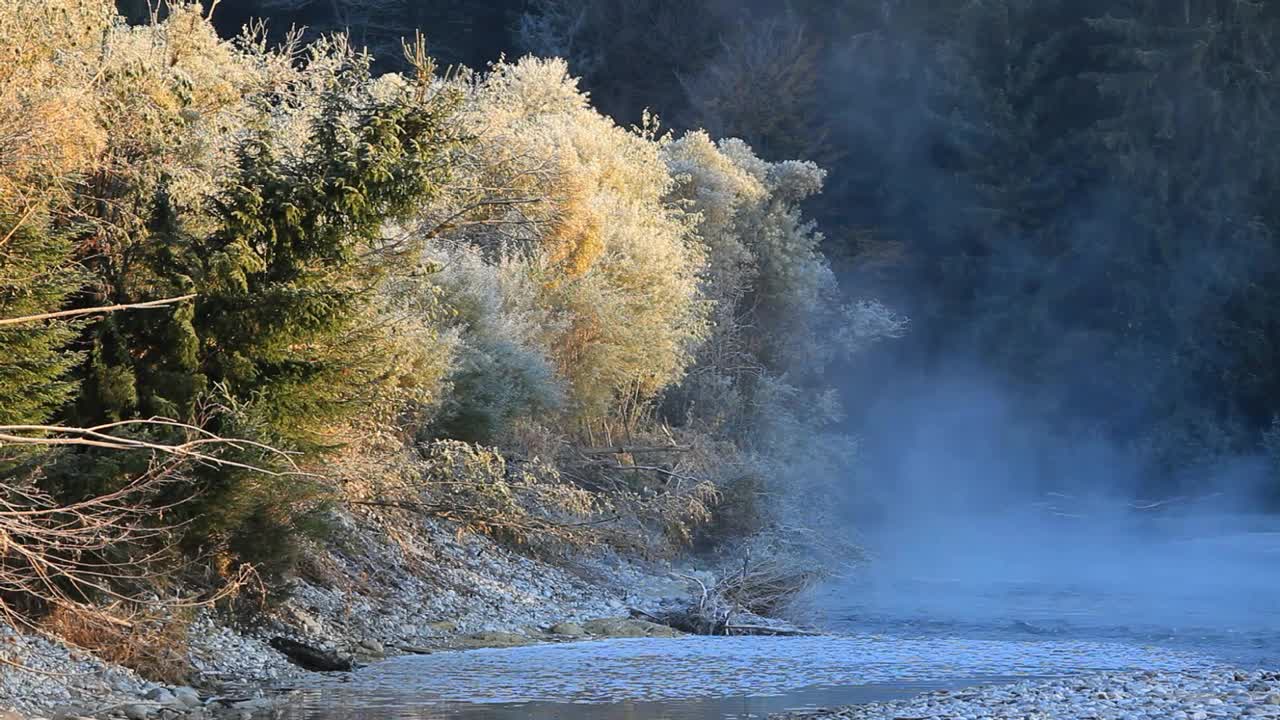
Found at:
(1195, 695)
(379, 589)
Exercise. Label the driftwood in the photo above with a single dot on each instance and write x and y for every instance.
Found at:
(312, 658)
(735, 629)
(752, 593)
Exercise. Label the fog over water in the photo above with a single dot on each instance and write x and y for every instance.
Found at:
(980, 520)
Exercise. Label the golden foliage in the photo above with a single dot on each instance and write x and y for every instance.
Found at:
(586, 204)
(574, 240)
(48, 128)
(84, 97)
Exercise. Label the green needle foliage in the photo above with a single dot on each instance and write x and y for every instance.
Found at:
(36, 277)
(284, 328)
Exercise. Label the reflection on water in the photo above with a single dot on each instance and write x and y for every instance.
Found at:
(699, 678)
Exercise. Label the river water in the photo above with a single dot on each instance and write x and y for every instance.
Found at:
(910, 628)
(700, 678)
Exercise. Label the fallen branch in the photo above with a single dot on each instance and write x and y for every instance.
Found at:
(767, 630)
(620, 450)
(655, 469)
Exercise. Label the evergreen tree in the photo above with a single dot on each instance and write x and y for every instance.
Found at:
(1190, 142)
(37, 276)
(284, 335)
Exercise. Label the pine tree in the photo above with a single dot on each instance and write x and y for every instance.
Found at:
(284, 335)
(285, 280)
(36, 277)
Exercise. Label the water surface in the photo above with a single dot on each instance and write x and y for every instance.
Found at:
(701, 678)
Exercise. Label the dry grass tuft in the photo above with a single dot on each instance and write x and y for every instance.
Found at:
(153, 643)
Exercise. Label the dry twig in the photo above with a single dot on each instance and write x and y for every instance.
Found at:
(149, 305)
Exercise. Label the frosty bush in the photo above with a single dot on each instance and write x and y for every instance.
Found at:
(608, 261)
(501, 371)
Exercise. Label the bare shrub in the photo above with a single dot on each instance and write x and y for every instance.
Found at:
(665, 487)
(736, 603)
(766, 587)
(525, 503)
(152, 643)
(742, 510)
(101, 572)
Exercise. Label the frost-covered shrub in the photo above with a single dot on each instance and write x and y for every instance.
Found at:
(778, 323)
(610, 262)
(519, 501)
(500, 370)
(586, 269)
(48, 128)
(777, 320)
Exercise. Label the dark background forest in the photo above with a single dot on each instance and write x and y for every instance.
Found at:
(1078, 196)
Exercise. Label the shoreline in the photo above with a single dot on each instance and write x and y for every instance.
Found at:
(377, 592)
(1132, 695)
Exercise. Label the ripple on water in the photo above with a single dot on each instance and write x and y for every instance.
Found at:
(698, 667)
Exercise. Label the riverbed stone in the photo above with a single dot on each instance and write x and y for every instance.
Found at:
(187, 696)
(568, 629)
(627, 628)
(370, 646)
(1187, 695)
(160, 696)
(493, 638)
(473, 582)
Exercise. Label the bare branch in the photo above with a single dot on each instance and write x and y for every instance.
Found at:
(18, 225)
(621, 450)
(116, 547)
(152, 304)
(194, 449)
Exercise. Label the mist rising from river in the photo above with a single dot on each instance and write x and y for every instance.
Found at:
(978, 518)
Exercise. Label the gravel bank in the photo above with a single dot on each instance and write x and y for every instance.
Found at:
(1195, 695)
(382, 587)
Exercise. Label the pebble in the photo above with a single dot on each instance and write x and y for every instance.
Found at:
(161, 696)
(1189, 695)
(188, 697)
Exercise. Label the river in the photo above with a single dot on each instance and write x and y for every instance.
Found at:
(895, 634)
